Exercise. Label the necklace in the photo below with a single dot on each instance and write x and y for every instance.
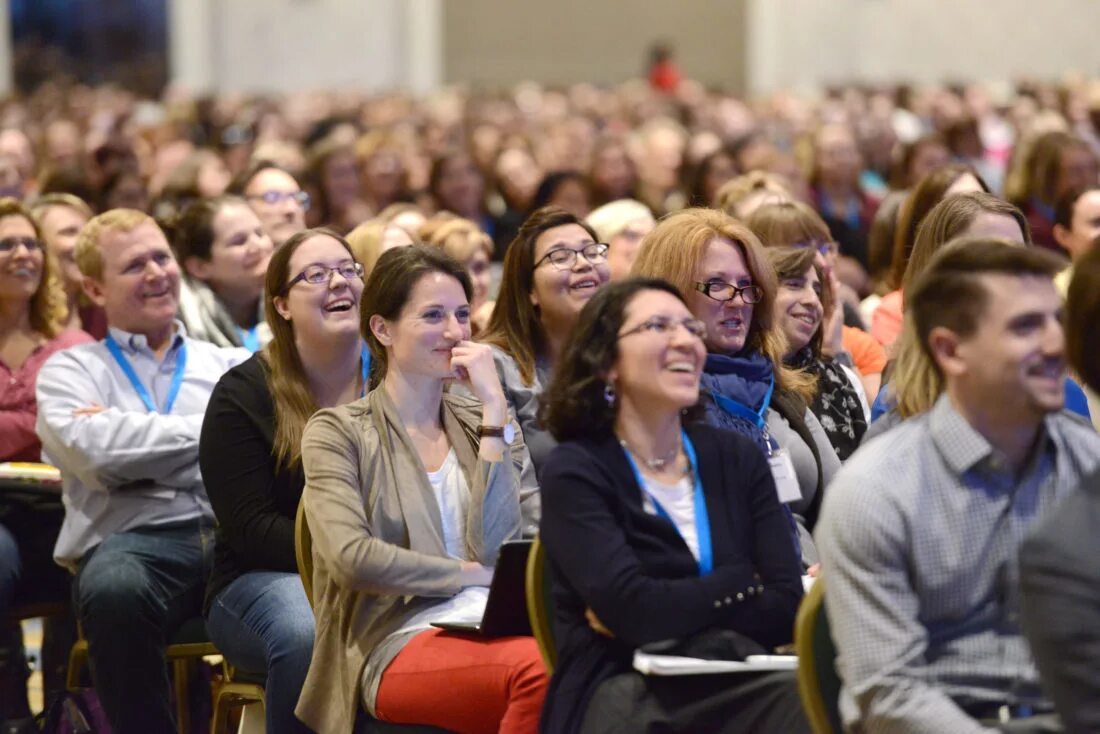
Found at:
(656, 464)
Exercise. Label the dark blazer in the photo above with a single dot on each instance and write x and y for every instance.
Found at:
(1060, 584)
(637, 574)
(253, 499)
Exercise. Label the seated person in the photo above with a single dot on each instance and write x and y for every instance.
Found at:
(410, 493)
(121, 419)
(250, 454)
(60, 218)
(685, 523)
(1059, 583)
(276, 198)
(919, 532)
(34, 327)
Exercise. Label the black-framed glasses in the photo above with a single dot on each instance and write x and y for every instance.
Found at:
(665, 325)
(720, 290)
(318, 274)
(564, 258)
(822, 246)
(272, 198)
(9, 244)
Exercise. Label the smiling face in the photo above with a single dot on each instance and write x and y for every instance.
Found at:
(658, 371)
(140, 282)
(798, 308)
(239, 254)
(284, 217)
(435, 318)
(319, 311)
(728, 322)
(1084, 225)
(561, 294)
(20, 266)
(624, 247)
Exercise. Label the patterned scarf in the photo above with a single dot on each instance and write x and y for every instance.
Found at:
(836, 404)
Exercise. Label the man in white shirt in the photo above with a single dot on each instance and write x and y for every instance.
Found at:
(121, 419)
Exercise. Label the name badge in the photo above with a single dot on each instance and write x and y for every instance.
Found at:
(786, 481)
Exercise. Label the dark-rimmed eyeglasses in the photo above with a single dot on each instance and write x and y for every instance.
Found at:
(719, 290)
(10, 244)
(273, 198)
(564, 258)
(318, 274)
(665, 325)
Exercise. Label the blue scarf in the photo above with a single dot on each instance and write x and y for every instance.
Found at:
(744, 378)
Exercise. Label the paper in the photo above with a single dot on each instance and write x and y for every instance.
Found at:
(648, 664)
(786, 481)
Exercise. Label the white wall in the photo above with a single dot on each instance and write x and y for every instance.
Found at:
(807, 43)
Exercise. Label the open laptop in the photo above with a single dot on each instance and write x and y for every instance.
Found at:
(506, 608)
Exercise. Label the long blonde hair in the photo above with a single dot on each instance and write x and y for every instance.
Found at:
(49, 310)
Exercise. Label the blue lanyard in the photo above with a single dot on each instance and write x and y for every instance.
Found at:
(756, 417)
(702, 519)
(852, 211)
(364, 361)
(128, 369)
(250, 340)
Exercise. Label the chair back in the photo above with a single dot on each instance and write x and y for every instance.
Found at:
(818, 681)
(540, 604)
(303, 550)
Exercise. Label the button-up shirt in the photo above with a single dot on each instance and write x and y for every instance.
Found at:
(919, 536)
(126, 467)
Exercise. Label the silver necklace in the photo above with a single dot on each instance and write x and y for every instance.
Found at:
(656, 464)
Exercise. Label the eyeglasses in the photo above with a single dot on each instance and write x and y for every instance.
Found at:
(9, 244)
(272, 198)
(825, 248)
(322, 274)
(564, 258)
(664, 325)
(722, 291)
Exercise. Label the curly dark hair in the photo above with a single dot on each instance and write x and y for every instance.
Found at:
(573, 404)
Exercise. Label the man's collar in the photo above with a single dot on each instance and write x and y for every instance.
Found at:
(133, 342)
(960, 443)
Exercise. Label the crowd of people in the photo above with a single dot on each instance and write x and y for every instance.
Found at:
(708, 352)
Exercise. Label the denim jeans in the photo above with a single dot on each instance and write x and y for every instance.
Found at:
(132, 593)
(263, 624)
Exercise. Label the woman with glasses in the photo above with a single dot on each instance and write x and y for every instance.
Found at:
(722, 271)
(33, 318)
(551, 270)
(224, 252)
(410, 493)
(275, 196)
(250, 454)
(684, 520)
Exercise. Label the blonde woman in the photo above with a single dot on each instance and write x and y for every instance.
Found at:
(464, 241)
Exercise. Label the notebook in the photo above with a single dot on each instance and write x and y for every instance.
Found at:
(506, 609)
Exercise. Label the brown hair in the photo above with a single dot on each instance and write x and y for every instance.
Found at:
(673, 251)
(794, 262)
(192, 232)
(737, 189)
(1083, 318)
(788, 223)
(1043, 166)
(48, 308)
(286, 378)
(515, 326)
(39, 206)
(460, 238)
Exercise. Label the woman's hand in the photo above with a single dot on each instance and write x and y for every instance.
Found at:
(832, 335)
(474, 574)
(595, 623)
(474, 369)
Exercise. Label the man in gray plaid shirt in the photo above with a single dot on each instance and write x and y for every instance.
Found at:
(920, 530)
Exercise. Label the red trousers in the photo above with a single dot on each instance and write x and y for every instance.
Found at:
(465, 684)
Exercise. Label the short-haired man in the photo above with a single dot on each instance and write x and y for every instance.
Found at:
(920, 530)
(61, 217)
(121, 418)
(276, 198)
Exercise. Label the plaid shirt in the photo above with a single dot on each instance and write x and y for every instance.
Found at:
(919, 536)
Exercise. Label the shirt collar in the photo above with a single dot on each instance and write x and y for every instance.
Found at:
(963, 447)
(134, 343)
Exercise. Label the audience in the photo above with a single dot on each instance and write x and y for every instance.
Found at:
(121, 419)
(920, 530)
(1057, 163)
(683, 517)
(409, 494)
(464, 242)
(250, 454)
(1076, 228)
(275, 197)
(621, 225)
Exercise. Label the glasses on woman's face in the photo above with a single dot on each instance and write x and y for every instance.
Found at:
(564, 258)
(719, 290)
(272, 198)
(11, 244)
(318, 274)
(665, 325)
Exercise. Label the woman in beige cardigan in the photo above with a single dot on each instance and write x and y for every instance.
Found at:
(409, 494)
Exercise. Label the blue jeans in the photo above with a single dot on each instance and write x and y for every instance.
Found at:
(132, 593)
(263, 624)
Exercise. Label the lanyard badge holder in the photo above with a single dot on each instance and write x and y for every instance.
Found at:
(779, 461)
(131, 375)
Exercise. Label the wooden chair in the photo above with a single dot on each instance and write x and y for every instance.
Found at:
(540, 605)
(818, 681)
(237, 690)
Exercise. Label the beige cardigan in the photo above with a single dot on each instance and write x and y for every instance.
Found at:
(378, 550)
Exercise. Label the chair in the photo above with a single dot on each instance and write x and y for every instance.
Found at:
(818, 681)
(189, 645)
(238, 689)
(540, 604)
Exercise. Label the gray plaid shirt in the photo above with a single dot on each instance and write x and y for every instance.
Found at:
(918, 536)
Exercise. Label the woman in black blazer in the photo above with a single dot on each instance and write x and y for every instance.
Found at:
(657, 527)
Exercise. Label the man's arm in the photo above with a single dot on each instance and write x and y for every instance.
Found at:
(110, 448)
(873, 613)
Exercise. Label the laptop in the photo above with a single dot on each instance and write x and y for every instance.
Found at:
(506, 608)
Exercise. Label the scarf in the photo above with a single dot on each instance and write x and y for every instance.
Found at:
(836, 403)
(745, 379)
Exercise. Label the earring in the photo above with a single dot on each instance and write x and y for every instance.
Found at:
(609, 394)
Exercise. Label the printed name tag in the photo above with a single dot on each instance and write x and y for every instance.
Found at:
(786, 481)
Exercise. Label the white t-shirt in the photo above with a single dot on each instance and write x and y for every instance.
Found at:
(678, 502)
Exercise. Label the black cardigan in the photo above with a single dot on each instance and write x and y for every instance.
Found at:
(254, 502)
(636, 573)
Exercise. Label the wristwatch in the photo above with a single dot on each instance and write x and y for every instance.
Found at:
(506, 432)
